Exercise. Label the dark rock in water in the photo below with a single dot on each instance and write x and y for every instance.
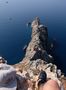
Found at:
(29, 24)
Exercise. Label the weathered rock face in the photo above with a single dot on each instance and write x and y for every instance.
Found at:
(36, 60)
(38, 45)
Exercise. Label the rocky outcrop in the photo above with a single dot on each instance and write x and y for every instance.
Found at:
(36, 60)
(38, 44)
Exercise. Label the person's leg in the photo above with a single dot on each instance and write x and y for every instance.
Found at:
(50, 85)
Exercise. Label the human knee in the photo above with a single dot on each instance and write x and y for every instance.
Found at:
(51, 85)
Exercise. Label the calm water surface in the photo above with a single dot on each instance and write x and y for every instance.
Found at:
(14, 34)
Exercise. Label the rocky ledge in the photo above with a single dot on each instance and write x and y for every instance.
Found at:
(36, 60)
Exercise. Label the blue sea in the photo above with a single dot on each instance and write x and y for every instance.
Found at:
(14, 33)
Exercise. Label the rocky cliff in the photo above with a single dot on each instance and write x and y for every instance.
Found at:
(36, 60)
